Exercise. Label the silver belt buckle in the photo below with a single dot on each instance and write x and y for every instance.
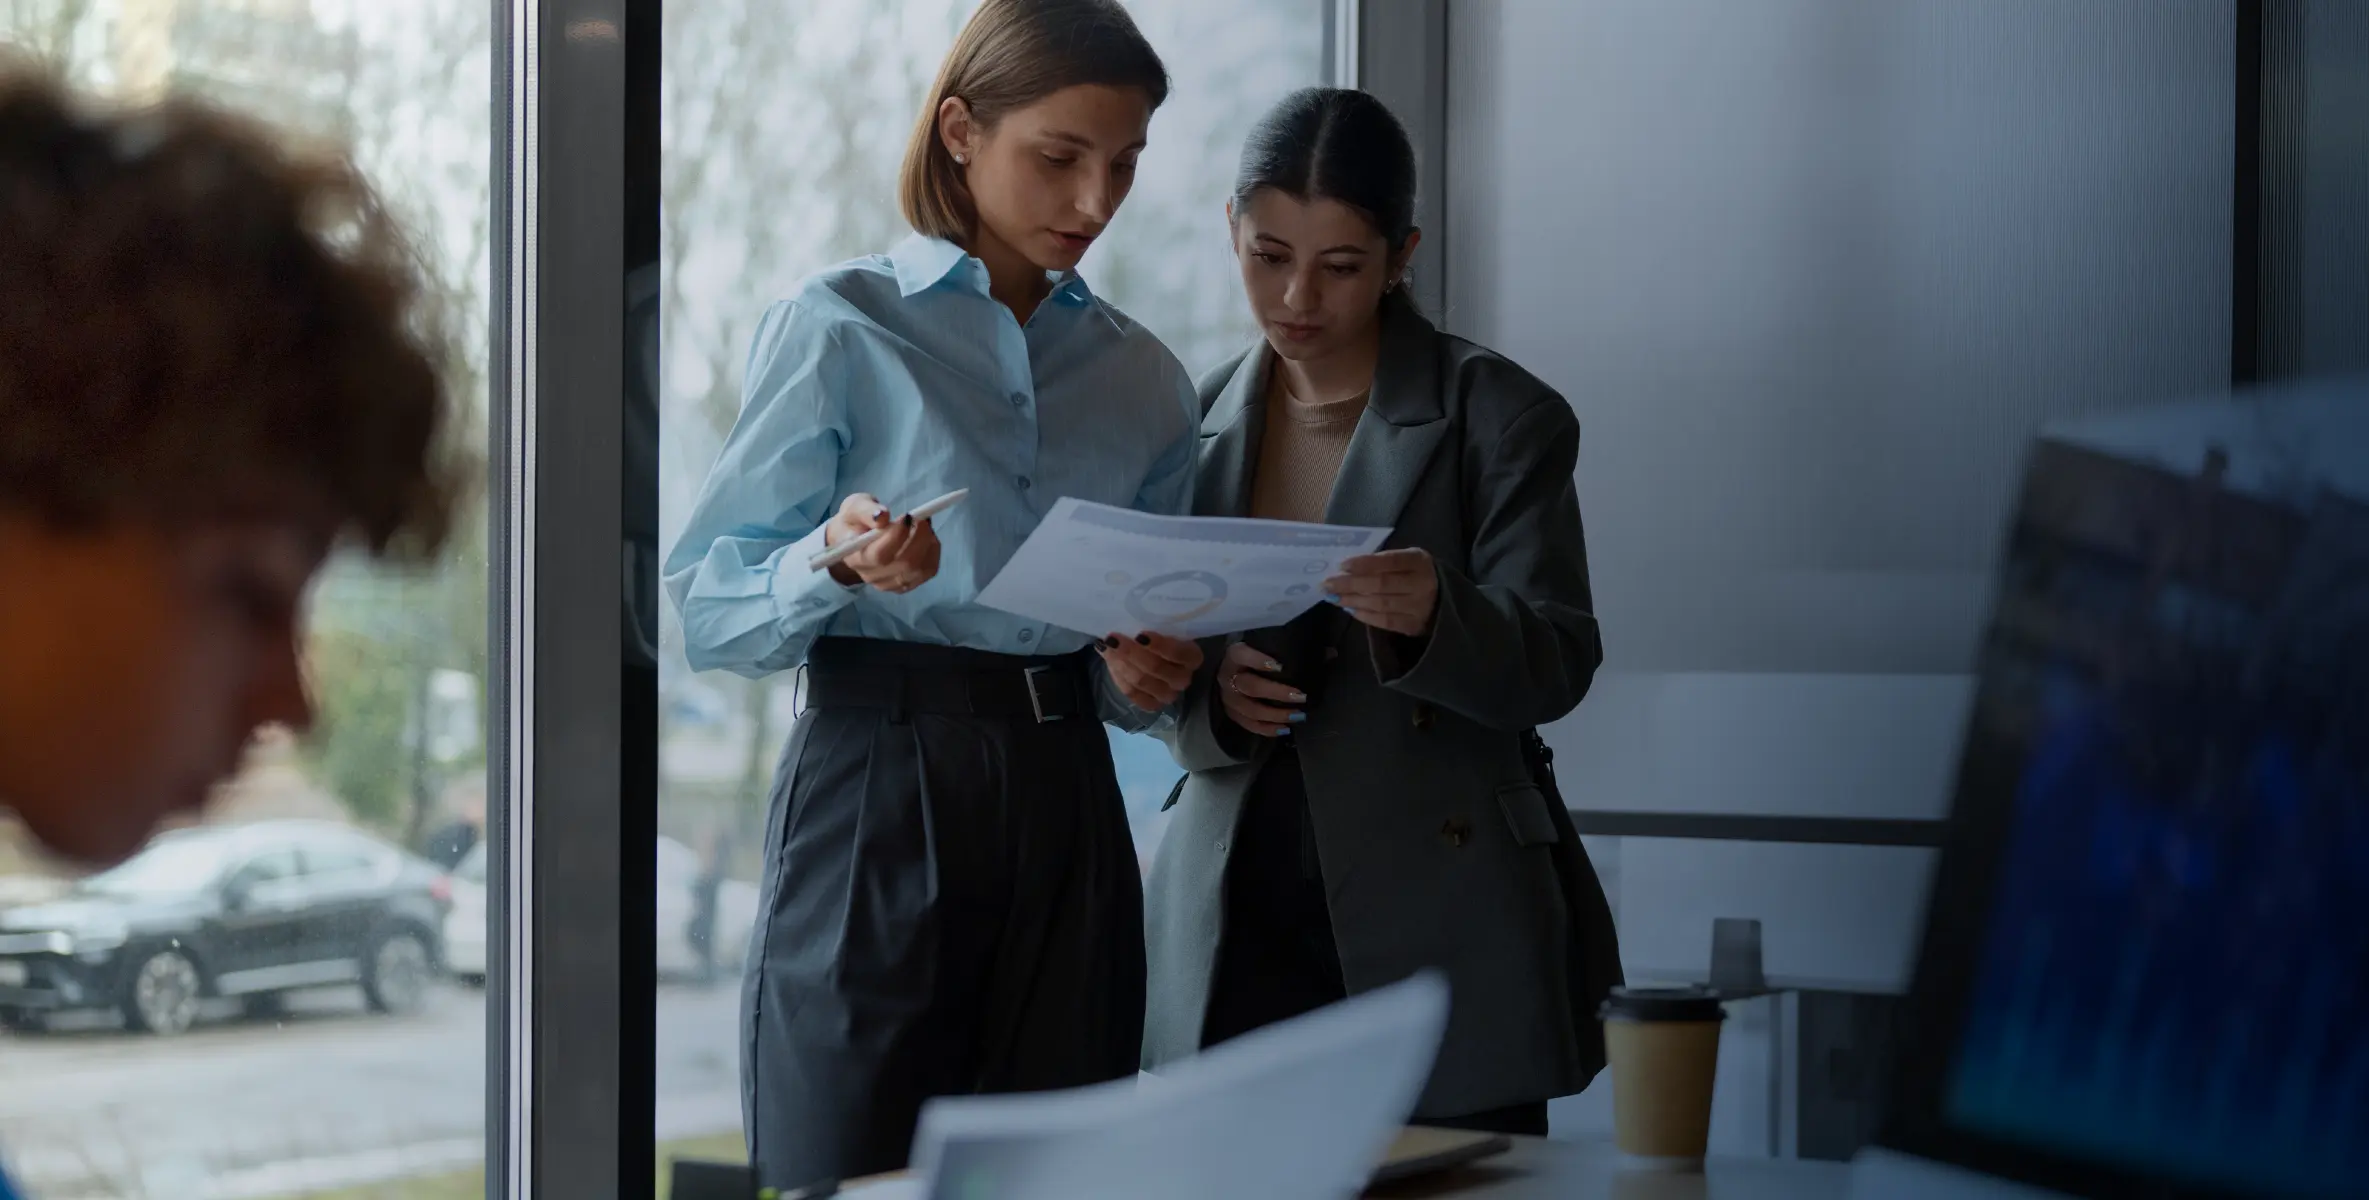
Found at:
(1036, 703)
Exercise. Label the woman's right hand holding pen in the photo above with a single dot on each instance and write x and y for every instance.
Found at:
(899, 560)
(1261, 704)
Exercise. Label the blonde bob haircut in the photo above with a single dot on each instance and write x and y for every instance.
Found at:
(1011, 54)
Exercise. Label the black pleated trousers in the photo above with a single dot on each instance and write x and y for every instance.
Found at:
(951, 905)
(1276, 958)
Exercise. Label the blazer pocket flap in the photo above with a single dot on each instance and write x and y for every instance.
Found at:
(1526, 814)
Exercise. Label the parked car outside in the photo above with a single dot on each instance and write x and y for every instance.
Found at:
(465, 929)
(678, 910)
(252, 911)
(466, 926)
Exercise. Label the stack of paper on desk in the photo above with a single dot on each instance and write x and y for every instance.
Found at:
(1100, 570)
(1297, 1111)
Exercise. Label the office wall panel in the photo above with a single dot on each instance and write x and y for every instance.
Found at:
(1810, 272)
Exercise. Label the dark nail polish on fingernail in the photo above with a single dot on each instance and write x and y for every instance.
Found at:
(1330, 598)
(1296, 718)
(1143, 639)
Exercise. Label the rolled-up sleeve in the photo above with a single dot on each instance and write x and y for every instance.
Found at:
(738, 574)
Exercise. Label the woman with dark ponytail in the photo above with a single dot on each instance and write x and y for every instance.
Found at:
(1367, 795)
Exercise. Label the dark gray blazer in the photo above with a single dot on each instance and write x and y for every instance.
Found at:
(1438, 846)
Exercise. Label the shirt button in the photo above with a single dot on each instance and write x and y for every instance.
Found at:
(1023, 482)
(1028, 635)
(1019, 399)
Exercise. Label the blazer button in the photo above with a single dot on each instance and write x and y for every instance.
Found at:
(1454, 831)
(1422, 717)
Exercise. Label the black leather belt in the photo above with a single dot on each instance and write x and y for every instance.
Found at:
(1000, 688)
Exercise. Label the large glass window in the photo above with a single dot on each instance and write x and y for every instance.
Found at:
(785, 124)
(297, 1032)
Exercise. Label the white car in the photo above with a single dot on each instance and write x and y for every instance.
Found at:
(677, 899)
(467, 926)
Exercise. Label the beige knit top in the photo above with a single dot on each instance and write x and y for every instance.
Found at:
(1300, 452)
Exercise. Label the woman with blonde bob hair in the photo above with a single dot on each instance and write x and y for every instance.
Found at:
(951, 898)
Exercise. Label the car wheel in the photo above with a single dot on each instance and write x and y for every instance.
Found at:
(163, 994)
(23, 1020)
(395, 975)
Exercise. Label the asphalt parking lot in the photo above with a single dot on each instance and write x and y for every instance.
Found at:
(328, 1095)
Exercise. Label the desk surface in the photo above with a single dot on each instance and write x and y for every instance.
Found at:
(1538, 1169)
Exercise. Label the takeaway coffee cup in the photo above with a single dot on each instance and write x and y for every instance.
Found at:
(1663, 1044)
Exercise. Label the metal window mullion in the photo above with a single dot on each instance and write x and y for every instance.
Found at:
(510, 577)
(1341, 42)
(563, 951)
(1401, 56)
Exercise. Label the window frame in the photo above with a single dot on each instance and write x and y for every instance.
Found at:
(1401, 57)
(572, 746)
(570, 1042)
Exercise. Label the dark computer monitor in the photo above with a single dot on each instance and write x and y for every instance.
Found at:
(2145, 969)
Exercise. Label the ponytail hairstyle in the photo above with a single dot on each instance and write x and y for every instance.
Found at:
(1337, 144)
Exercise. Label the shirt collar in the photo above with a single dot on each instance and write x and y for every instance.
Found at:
(924, 262)
(1070, 288)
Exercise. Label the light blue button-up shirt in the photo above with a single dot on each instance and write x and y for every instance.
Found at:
(900, 376)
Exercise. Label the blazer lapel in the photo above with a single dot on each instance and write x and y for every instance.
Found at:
(1403, 424)
(1230, 434)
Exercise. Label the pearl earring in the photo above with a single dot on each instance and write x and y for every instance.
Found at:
(961, 160)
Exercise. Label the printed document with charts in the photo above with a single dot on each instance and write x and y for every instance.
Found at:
(1300, 1110)
(1101, 570)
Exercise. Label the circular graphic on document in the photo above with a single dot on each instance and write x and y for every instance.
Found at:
(1165, 600)
(1297, 589)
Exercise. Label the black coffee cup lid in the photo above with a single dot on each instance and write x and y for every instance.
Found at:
(1689, 1003)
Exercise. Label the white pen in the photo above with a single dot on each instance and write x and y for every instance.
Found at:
(836, 554)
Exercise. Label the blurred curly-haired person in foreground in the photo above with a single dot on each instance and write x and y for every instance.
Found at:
(217, 364)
